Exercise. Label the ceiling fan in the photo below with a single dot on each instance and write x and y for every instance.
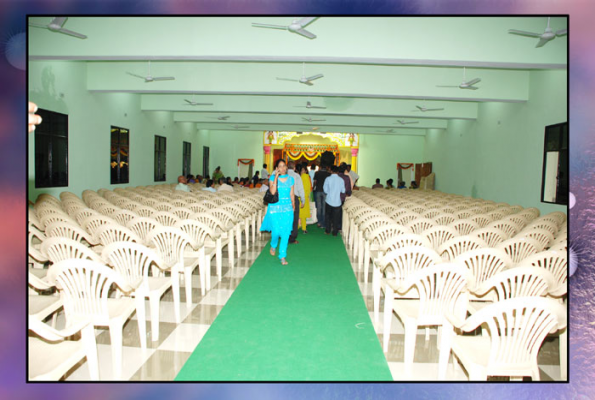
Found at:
(240, 126)
(424, 109)
(223, 118)
(403, 122)
(544, 37)
(305, 80)
(296, 26)
(56, 24)
(464, 84)
(194, 103)
(309, 105)
(309, 119)
(150, 78)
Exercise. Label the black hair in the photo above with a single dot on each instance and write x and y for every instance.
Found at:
(378, 180)
(209, 183)
(334, 169)
(279, 161)
(222, 179)
(342, 168)
(264, 165)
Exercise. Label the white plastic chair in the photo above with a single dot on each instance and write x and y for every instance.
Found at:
(421, 225)
(491, 236)
(441, 290)
(483, 263)
(85, 286)
(59, 249)
(132, 261)
(519, 248)
(50, 356)
(517, 328)
(143, 226)
(465, 226)
(450, 249)
(439, 234)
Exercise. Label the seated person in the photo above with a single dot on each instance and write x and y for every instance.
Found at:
(236, 181)
(190, 179)
(223, 186)
(182, 184)
(378, 185)
(199, 179)
(389, 184)
(414, 185)
(209, 187)
(402, 185)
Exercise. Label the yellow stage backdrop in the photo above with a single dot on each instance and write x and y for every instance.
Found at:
(310, 145)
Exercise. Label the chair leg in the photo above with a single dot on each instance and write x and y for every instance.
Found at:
(188, 286)
(141, 319)
(446, 335)
(115, 333)
(376, 293)
(366, 260)
(219, 256)
(535, 376)
(88, 338)
(388, 314)
(154, 304)
(410, 338)
(175, 287)
(239, 240)
(230, 248)
(247, 231)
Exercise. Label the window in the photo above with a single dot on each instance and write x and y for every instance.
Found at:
(186, 159)
(119, 155)
(159, 158)
(554, 188)
(51, 150)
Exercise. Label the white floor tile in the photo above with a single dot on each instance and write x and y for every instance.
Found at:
(132, 359)
(185, 337)
(166, 310)
(426, 372)
(552, 370)
(237, 272)
(217, 297)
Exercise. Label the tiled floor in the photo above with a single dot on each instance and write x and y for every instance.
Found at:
(163, 359)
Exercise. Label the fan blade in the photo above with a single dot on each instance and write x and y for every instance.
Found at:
(71, 33)
(269, 26)
(187, 101)
(470, 88)
(420, 108)
(451, 86)
(163, 78)
(314, 77)
(561, 32)
(38, 25)
(199, 104)
(135, 75)
(306, 21)
(473, 81)
(287, 79)
(524, 33)
(322, 108)
(305, 33)
(58, 21)
(434, 109)
(307, 83)
(542, 42)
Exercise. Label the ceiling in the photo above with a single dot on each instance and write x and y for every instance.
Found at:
(377, 70)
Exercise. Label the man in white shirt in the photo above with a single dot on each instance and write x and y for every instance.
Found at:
(209, 187)
(224, 187)
(264, 174)
(312, 172)
(298, 190)
(182, 184)
(353, 175)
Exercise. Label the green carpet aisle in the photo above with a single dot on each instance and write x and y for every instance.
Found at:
(303, 321)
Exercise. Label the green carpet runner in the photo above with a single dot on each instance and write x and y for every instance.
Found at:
(306, 321)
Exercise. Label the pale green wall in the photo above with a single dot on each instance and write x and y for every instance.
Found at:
(61, 86)
(379, 154)
(227, 146)
(500, 156)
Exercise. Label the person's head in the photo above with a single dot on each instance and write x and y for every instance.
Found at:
(257, 174)
(228, 180)
(389, 182)
(264, 166)
(413, 184)
(402, 183)
(343, 164)
(334, 169)
(291, 165)
(188, 177)
(221, 181)
(313, 167)
(209, 183)
(182, 179)
(377, 180)
(235, 179)
(217, 169)
(348, 167)
(281, 165)
(342, 168)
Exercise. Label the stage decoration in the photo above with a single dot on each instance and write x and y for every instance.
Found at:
(342, 139)
(404, 165)
(308, 151)
(245, 161)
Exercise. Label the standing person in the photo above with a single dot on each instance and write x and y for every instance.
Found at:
(319, 196)
(333, 187)
(300, 200)
(343, 175)
(264, 174)
(279, 216)
(305, 211)
(354, 176)
(217, 174)
(312, 173)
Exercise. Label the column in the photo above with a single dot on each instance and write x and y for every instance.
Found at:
(268, 160)
(354, 152)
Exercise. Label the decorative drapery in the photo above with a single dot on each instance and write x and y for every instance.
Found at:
(404, 165)
(308, 151)
(245, 161)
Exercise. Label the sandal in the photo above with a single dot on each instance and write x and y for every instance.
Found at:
(284, 261)
(273, 251)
